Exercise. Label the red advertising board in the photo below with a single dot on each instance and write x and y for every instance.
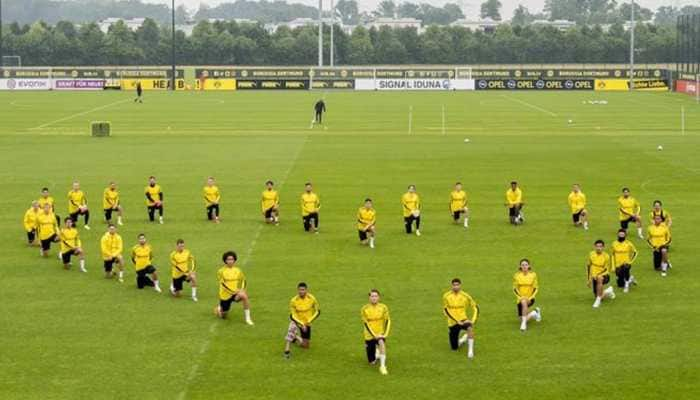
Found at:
(687, 87)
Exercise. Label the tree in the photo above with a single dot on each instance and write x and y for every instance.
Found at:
(491, 9)
(386, 8)
(640, 13)
(521, 16)
(349, 11)
(361, 50)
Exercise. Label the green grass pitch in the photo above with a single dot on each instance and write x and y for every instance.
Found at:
(67, 335)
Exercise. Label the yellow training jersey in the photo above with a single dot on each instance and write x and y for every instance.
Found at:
(30, 219)
(231, 280)
(304, 310)
(577, 202)
(270, 198)
(110, 199)
(153, 193)
(375, 318)
(46, 225)
(366, 217)
(623, 253)
(455, 306)
(70, 239)
(410, 202)
(665, 215)
(76, 199)
(181, 263)
(514, 197)
(211, 195)
(629, 205)
(525, 286)
(310, 203)
(46, 200)
(111, 246)
(458, 200)
(142, 256)
(598, 264)
(658, 235)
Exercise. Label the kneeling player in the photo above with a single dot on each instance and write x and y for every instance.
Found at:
(303, 310)
(514, 202)
(458, 205)
(455, 303)
(577, 203)
(110, 203)
(658, 209)
(182, 267)
(212, 198)
(70, 245)
(154, 200)
(629, 209)
(377, 324)
(598, 269)
(112, 246)
(310, 206)
(30, 222)
(270, 204)
(77, 205)
(232, 286)
(623, 255)
(659, 238)
(525, 287)
(142, 257)
(366, 222)
(411, 209)
(47, 229)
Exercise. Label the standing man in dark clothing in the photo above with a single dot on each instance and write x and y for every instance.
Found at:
(139, 93)
(319, 108)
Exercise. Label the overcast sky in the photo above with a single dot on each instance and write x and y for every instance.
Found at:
(471, 6)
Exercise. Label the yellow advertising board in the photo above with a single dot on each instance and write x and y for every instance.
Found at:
(217, 84)
(152, 84)
(622, 85)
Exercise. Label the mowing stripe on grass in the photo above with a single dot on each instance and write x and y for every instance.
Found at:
(526, 104)
(80, 114)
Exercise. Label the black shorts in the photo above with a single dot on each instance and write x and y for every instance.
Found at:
(457, 214)
(108, 213)
(226, 304)
(178, 282)
(362, 234)
(31, 235)
(606, 280)
(109, 264)
(74, 216)
(577, 217)
(624, 224)
(520, 307)
(67, 255)
(268, 212)
(149, 269)
(305, 335)
(46, 243)
(307, 221)
(513, 211)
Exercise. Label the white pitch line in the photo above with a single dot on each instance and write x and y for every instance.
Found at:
(79, 114)
(249, 252)
(526, 104)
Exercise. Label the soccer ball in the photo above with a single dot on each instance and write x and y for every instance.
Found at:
(660, 148)
(571, 121)
(466, 140)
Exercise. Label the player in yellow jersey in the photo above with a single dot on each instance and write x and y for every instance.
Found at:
(270, 204)
(303, 310)
(366, 223)
(46, 198)
(630, 210)
(154, 199)
(623, 255)
(182, 268)
(30, 222)
(110, 203)
(410, 201)
(658, 209)
(77, 205)
(47, 229)
(458, 205)
(71, 245)
(232, 287)
(111, 247)
(659, 239)
(310, 206)
(526, 286)
(577, 203)
(142, 257)
(456, 304)
(598, 268)
(515, 204)
(377, 324)
(212, 198)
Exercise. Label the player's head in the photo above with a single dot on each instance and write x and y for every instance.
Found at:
(111, 229)
(514, 185)
(47, 208)
(229, 258)
(76, 185)
(368, 203)
(626, 192)
(657, 205)
(113, 185)
(456, 285)
(269, 184)
(411, 188)
(621, 234)
(658, 219)
(576, 188)
(180, 244)
(599, 245)
(35, 205)
(301, 289)
(210, 181)
(374, 296)
(458, 186)
(308, 186)
(142, 238)
(45, 192)
(68, 221)
(151, 180)
(524, 264)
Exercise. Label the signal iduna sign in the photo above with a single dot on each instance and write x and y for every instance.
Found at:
(414, 84)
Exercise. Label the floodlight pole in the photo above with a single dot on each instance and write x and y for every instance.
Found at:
(632, 47)
(332, 24)
(1, 54)
(320, 33)
(172, 49)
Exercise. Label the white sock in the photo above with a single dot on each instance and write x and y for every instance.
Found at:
(246, 313)
(119, 220)
(121, 274)
(82, 264)
(156, 285)
(639, 232)
(532, 314)
(585, 225)
(608, 292)
(172, 288)
(466, 222)
(597, 301)
(371, 242)
(382, 360)
(523, 323)
(470, 344)
(194, 292)
(462, 340)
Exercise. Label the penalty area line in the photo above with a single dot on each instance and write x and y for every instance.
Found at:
(526, 104)
(79, 114)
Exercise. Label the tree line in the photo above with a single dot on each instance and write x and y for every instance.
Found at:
(66, 44)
